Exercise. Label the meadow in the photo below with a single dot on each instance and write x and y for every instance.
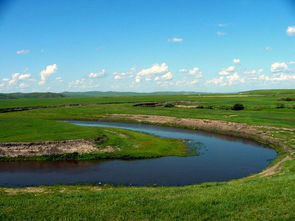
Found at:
(258, 197)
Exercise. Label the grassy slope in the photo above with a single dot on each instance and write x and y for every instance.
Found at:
(253, 198)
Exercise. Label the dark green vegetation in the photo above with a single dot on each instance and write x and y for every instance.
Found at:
(238, 107)
(258, 197)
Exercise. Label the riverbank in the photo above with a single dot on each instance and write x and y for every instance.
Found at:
(91, 144)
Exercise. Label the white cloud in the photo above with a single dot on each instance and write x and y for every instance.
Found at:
(183, 70)
(291, 62)
(154, 70)
(278, 77)
(23, 85)
(44, 74)
(84, 84)
(268, 48)
(176, 40)
(23, 51)
(16, 77)
(221, 33)
(194, 71)
(167, 76)
(123, 75)
(97, 74)
(227, 71)
(279, 67)
(291, 31)
(227, 80)
(24, 76)
(254, 72)
(236, 61)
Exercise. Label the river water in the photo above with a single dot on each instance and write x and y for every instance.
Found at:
(221, 158)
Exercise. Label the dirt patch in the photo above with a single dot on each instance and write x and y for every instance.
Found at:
(48, 147)
(186, 106)
(273, 170)
(109, 149)
(14, 191)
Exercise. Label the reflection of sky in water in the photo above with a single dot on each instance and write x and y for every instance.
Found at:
(221, 158)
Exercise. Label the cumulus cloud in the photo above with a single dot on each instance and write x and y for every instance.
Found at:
(236, 61)
(123, 75)
(24, 76)
(227, 80)
(227, 70)
(183, 70)
(175, 40)
(254, 72)
(279, 67)
(149, 72)
(167, 76)
(97, 74)
(290, 31)
(17, 77)
(44, 74)
(23, 51)
(277, 77)
(196, 72)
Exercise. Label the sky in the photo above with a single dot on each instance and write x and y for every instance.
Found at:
(146, 45)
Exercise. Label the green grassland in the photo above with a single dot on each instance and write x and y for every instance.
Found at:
(252, 198)
(126, 144)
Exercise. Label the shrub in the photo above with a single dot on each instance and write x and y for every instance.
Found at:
(287, 99)
(169, 105)
(238, 107)
(200, 106)
(280, 106)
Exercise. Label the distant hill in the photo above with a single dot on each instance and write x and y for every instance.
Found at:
(270, 92)
(115, 93)
(30, 95)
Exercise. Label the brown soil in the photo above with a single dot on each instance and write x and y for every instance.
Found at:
(273, 169)
(52, 147)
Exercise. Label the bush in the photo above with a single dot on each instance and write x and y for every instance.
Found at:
(169, 105)
(200, 106)
(238, 107)
(280, 106)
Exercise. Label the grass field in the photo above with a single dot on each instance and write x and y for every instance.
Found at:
(253, 198)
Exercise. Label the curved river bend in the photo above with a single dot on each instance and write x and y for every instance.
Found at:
(221, 158)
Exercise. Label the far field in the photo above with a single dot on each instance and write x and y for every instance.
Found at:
(259, 197)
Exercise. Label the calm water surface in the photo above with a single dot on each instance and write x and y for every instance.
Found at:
(221, 158)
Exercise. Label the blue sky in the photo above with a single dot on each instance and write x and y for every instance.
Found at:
(146, 45)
